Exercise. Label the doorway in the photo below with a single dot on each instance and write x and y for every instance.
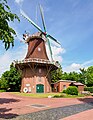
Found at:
(39, 88)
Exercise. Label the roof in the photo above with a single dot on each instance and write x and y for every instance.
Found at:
(66, 81)
(36, 35)
(72, 82)
(78, 84)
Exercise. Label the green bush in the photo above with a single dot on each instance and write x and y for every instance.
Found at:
(90, 89)
(2, 90)
(64, 91)
(56, 96)
(72, 90)
(59, 96)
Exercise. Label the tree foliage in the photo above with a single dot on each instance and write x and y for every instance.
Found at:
(82, 76)
(6, 32)
(89, 76)
(85, 76)
(56, 75)
(74, 76)
(11, 80)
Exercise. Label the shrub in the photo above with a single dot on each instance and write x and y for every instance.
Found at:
(59, 96)
(64, 91)
(90, 89)
(72, 90)
(2, 90)
(56, 96)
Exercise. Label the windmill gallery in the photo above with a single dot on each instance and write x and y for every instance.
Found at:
(38, 63)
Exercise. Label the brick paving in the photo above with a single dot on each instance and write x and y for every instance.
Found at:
(13, 105)
(56, 113)
(86, 115)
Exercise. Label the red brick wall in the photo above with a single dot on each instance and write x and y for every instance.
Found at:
(80, 88)
(58, 87)
(33, 77)
(67, 84)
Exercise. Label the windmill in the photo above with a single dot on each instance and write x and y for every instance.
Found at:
(37, 66)
(44, 33)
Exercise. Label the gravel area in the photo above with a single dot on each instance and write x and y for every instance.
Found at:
(56, 113)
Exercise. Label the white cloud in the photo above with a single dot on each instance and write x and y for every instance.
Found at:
(75, 67)
(72, 67)
(20, 53)
(57, 50)
(9, 56)
(58, 58)
(19, 1)
(5, 62)
(57, 53)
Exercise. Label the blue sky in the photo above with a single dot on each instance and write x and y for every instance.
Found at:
(69, 21)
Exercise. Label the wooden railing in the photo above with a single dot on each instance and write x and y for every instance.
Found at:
(36, 60)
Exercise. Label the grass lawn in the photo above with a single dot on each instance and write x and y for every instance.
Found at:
(36, 95)
(45, 95)
(2, 90)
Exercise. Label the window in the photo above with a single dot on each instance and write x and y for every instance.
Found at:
(39, 70)
(39, 49)
(39, 79)
(64, 87)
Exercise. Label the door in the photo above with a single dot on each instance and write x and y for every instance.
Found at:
(57, 88)
(39, 88)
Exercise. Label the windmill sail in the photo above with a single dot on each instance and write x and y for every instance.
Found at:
(51, 37)
(26, 17)
(42, 16)
(47, 43)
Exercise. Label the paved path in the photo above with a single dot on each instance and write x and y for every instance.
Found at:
(13, 106)
(56, 113)
(86, 115)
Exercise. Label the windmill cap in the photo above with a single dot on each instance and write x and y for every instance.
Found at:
(35, 35)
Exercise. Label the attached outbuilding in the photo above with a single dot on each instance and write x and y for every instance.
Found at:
(64, 84)
(79, 85)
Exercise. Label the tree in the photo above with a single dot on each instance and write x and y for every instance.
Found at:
(82, 76)
(74, 76)
(86, 76)
(70, 76)
(65, 76)
(56, 74)
(11, 79)
(4, 80)
(6, 32)
(89, 76)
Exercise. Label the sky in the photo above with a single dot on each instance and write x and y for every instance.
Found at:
(69, 21)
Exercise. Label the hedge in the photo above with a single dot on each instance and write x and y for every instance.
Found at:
(90, 89)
